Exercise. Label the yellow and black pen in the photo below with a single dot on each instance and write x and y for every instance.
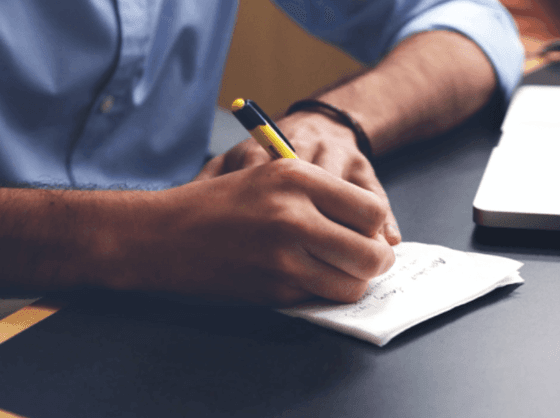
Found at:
(263, 129)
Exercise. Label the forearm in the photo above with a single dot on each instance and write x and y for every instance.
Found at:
(426, 85)
(53, 239)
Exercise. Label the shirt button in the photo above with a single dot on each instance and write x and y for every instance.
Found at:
(107, 104)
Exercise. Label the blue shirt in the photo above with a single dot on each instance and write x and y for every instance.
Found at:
(122, 92)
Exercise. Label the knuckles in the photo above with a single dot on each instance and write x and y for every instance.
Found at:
(384, 261)
(245, 154)
(354, 292)
(290, 172)
(377, 261)
(376, 210)
(368, 267)
(254, 155)
(361, 164)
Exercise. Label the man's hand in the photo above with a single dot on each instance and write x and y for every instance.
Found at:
(274, 234)
(318, 140)
(277, 233)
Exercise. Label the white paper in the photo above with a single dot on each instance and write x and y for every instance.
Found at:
(425, 281)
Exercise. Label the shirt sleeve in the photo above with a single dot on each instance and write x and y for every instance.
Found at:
(369, 29)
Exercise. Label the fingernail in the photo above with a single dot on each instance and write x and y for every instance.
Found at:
(392, 233)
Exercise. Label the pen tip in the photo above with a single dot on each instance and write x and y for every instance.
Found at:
(237, 104)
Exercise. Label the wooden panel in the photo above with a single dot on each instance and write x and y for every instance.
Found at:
(538, 19)
(274, 62)
(539, 24)
(6, 414)
(26, 317)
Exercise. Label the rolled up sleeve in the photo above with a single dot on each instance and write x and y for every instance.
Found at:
(369, 29)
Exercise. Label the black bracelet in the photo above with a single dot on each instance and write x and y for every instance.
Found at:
(339, 116)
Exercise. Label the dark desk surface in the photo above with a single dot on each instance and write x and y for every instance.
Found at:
(132, 355)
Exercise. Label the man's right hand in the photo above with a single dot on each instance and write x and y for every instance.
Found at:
(274, 234)
(278, 234)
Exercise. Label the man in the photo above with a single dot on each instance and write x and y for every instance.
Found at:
(113, 94)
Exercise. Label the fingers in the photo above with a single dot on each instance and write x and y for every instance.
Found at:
(327, 258)
(315, 277)
(359, 256)
(356, 169)
(347, 203)
(246, 154)
(309, 228)
(334, 264)
(211, 169)
(361, 173)
(391, 230)
(319, 277)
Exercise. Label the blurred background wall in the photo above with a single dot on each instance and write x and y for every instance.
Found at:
(539, 25)
(274, 62)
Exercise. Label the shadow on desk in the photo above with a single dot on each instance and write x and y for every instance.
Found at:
(521, 241)
(151, 356)
(145, 356)
(501, 294)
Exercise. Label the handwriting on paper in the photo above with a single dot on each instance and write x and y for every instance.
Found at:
(425, 281)
(396, 281)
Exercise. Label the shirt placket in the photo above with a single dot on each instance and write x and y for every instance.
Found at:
(115, 99)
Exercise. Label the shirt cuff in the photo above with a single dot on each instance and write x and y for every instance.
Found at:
(494, 32)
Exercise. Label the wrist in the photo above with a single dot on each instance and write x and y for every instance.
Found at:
(304, 129)
(339, 116)
(119, 233)
(368, 100)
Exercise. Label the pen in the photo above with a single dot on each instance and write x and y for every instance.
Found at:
(263, 129)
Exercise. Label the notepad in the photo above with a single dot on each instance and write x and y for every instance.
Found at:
(425, 281)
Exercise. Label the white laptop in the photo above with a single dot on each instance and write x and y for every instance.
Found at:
(520, 187)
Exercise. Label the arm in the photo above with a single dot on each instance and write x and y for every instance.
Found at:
(433, 79)
(426, 85)
(429, 83)
(310, 234)
(58, 239)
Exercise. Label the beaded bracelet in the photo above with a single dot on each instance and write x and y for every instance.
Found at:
(339, 116)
